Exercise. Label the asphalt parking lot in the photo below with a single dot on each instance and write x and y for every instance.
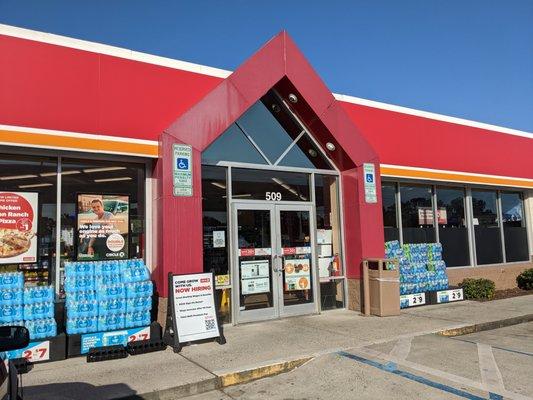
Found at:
(492, 364)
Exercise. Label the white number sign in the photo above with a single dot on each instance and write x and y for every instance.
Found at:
(273, 196)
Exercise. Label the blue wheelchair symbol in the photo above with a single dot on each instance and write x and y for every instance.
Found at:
(369, 178)
(182, 163)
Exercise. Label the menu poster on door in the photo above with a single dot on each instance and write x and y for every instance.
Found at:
(297, 274)
(18, 227)
(255, 277)
(194, 312)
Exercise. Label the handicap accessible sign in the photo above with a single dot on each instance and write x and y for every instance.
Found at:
(370, 183)
(182, 169)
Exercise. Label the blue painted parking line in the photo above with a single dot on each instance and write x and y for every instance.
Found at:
(393, 369)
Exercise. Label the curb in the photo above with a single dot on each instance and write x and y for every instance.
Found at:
(220, 381)
(236, 378)
(486, 326)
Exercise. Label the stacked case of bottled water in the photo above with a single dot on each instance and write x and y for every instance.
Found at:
(31, 307)
(39, 312)
(12, 298)
(81, 304)
(421, 266)
(120, 295)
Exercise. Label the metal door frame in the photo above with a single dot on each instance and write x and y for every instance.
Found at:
(300, 309)
(278, 310)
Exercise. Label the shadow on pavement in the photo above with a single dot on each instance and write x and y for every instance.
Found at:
(79, 391)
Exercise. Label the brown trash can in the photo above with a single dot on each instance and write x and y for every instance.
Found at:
(384, 288)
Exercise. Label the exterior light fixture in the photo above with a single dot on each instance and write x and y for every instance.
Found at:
(293, 98)
(276, 108)
(330, 146)
(312, 152)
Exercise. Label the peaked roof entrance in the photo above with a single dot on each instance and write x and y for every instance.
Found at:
(239, 121)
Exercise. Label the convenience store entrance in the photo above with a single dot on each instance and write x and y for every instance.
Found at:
(273, 268)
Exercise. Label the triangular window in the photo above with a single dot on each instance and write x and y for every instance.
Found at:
(267, 133)
(232, 145)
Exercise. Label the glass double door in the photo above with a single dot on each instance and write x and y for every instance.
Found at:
(273, 261)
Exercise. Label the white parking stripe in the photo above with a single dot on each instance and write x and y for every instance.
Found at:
(372, 354)
(402, 348)
(490, 373)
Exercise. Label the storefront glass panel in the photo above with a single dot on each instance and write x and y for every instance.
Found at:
(254, 184)
(331, 295)
(453, 232)
(270, 126)
(390, 219)
(328, 237)
(417, 214)
(118, 188)
(514, 227)
(254, 235)
(295, 231)
(232, 145)
(486, 227)
(304, 154)
(215, 234)
(28, 185)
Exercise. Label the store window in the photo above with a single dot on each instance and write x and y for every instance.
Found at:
(514, 227)
(417, 214)
(102, 190)
(215, 234)
(331, 271)
(390, 220)
(487, 227)
(453, 231)
(269, 185)
(28, 193)
(267, 133)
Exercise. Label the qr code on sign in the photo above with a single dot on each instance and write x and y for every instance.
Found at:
(210, 324)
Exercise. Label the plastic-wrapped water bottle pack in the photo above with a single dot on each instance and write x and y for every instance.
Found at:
(107, 295)
(421, 266)
(32, 307)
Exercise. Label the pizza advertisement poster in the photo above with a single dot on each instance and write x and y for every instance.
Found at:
(103, 227)
(18, 227)
(297, 274)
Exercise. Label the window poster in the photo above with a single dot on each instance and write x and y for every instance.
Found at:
(18, 227)
(297, 274)
(103, 227)
(255, 277)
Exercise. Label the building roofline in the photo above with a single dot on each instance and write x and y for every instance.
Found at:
(114, 51)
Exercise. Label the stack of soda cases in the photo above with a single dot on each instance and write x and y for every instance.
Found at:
(31, 307)
(121, 297)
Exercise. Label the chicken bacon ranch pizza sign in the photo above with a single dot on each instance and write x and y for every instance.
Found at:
(18, 227)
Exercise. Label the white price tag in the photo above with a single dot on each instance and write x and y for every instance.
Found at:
(39, 352)
(410, 300)
(143, 334)
(445, 296)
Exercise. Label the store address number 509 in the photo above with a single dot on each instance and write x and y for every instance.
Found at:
(273, 196)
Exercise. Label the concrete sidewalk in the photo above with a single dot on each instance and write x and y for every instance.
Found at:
(252, 351)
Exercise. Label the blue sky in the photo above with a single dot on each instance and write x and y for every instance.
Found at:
(471, 58)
